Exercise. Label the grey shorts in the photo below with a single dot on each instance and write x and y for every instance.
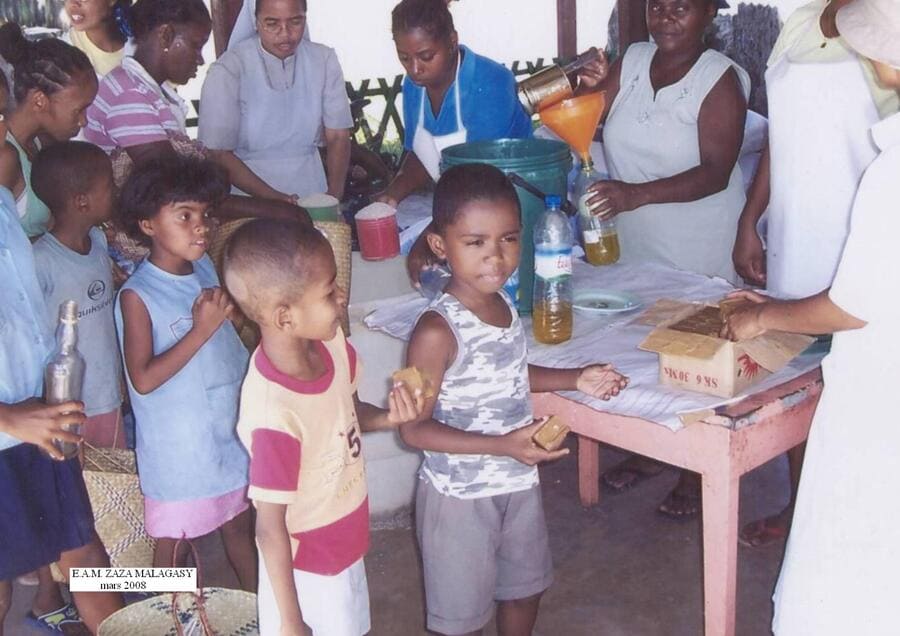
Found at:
(479, 551)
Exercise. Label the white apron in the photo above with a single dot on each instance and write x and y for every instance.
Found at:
(281, 129)
(819, 120)
(428, 147)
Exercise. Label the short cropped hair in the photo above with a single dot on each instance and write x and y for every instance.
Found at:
(148, 15)
(463, 184)
(63, 170)
(432, 16)
(163, 182)
(268, 262)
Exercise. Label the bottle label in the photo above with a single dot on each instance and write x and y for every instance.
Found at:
(548, 265)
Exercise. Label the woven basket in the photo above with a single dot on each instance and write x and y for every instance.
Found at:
(227, 612)
(110, 475)
(338, 234)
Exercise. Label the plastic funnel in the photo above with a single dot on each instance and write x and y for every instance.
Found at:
(575, 120)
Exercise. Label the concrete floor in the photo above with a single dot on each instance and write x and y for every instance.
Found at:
(621, 568)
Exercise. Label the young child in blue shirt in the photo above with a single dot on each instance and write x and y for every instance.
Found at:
(46, 515)
(479, 517)
(184, 364)
(75, 180)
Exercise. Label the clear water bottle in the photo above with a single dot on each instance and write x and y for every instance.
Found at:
(552, 314)
(64, 373)
(600, 238)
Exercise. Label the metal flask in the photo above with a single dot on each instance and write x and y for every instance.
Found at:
(64, 373)
(552, 84)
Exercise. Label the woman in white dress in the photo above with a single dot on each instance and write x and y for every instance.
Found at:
(840, 567)
(268, 104)
(823, 99)
(673, 130)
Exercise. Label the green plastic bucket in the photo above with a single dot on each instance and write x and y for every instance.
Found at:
(542, 162)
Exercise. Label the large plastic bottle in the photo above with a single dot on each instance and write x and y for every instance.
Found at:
(552, 314)
(601, 238)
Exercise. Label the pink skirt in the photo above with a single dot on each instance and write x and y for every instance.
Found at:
(192, 518)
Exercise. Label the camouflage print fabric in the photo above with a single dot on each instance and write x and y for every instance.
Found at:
(485, 390)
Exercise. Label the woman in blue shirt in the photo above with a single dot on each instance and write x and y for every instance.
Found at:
(451, 94)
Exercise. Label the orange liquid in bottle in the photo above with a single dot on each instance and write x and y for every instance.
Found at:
(552, 323)
(605, 251)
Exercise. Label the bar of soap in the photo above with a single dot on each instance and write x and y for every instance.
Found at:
(414, 379)
(551, 435)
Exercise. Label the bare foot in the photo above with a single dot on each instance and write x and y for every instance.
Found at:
(630, 472)
(766, 531)
(684, 501)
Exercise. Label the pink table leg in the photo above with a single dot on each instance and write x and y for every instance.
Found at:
(588, 471)
(721, 487)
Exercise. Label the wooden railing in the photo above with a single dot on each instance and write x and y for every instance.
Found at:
(383, 94)
(384, 91)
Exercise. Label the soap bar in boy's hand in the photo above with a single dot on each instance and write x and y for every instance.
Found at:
(414, 380)
(551, 435)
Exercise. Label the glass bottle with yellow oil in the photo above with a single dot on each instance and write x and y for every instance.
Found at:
(600, 237)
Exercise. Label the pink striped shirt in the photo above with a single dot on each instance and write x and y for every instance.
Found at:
(130, 110)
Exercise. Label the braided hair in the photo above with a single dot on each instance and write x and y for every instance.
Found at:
(47, 65)
(432, 16)
(148, 15)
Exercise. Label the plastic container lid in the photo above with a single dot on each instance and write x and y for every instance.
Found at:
(375, 211)
(553, 201)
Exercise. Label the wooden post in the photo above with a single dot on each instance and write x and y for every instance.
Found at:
(566, 28)
(632, 22)
(224, 15)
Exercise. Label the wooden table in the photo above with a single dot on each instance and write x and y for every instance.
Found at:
(722, 446)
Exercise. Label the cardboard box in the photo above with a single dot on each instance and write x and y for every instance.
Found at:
(706, 363)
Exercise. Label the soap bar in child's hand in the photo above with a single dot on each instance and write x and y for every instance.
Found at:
(414, 380)
(551, 435)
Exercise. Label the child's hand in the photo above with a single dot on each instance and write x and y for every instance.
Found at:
(520, 447)
(37, 423)
(601, 381)
(212, 307)
(404, 406)
(742, 321)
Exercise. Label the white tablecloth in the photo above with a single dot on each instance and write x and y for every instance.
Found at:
(605, 338)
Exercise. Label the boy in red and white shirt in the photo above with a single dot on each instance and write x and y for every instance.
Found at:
(300, 419)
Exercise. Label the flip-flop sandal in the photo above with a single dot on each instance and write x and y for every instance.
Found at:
(760, 533)
(689, 503)
(615, 480)
(53, 622)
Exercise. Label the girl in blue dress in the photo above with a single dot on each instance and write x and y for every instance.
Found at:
(184, 364)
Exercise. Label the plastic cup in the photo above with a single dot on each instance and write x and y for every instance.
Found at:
(376, 227)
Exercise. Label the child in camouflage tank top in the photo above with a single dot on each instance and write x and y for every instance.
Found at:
(479, 515)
